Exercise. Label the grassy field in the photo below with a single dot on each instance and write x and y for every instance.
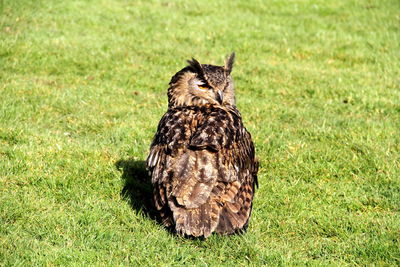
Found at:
(83, 86)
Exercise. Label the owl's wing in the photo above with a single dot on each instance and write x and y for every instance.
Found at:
(189, 173)
(237, 166)
(171, 136)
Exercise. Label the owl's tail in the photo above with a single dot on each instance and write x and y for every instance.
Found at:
(222, 214)
(197, 222)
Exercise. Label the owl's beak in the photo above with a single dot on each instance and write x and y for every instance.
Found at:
(220, 96)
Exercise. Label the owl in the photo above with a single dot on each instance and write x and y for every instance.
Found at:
(202, 159)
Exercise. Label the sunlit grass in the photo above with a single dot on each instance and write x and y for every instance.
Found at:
(83, 85)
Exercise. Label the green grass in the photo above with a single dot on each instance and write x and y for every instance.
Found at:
(83, 86)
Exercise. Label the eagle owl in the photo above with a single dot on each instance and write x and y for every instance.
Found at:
(202, 163)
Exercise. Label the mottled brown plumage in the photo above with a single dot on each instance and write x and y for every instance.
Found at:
(202, 161)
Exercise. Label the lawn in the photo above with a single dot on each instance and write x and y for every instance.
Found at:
(83, 86)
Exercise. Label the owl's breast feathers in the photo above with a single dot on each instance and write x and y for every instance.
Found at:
(203, 169)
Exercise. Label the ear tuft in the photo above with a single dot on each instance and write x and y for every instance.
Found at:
(229, 62)
(196, 66)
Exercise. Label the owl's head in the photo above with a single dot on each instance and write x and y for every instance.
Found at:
(202, 84)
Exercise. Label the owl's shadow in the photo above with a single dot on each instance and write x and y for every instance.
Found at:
(137, 188)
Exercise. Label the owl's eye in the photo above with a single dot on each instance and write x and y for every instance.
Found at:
(203, 87)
